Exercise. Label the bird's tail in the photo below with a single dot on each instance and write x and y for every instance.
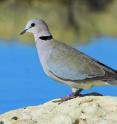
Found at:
(113, 82)
(113, 78)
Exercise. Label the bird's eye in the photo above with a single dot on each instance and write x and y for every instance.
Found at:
(33, 24)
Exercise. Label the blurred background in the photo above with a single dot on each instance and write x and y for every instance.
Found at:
(88, 25)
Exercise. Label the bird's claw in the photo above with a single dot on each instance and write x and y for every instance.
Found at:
(66, 98)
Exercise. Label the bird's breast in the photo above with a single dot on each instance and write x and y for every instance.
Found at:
(43, 49)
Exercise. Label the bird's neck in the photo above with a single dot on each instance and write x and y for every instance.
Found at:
(43, 45)
(43, 35)
(47, 37)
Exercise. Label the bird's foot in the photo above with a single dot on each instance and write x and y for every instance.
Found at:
(71, 96)
(66, 98)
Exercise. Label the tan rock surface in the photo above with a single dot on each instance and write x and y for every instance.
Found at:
(83, 110)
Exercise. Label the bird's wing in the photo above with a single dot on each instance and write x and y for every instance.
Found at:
(70, 64)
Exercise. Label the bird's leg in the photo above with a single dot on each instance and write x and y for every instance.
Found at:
(78, 92)
(74, 94)
(70, 96)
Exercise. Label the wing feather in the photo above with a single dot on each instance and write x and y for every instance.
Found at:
(71, 64)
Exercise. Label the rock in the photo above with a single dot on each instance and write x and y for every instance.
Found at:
(81, 110)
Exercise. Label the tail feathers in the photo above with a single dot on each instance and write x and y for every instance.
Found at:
(113, 82)
(112, 78)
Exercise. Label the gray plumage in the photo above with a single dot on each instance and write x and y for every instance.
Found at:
(66, 64)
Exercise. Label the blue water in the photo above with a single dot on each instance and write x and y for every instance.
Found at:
(23, 82)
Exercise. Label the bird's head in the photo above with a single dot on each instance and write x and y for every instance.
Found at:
(37, 27)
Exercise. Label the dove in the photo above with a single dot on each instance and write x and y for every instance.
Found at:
(66, 64)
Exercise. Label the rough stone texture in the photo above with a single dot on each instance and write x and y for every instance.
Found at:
(83, 110)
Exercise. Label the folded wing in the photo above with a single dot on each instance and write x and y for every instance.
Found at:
(70, 64)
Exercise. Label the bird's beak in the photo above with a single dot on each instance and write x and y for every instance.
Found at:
(23, 32)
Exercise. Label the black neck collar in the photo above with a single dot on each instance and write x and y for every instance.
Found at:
(46, 37)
